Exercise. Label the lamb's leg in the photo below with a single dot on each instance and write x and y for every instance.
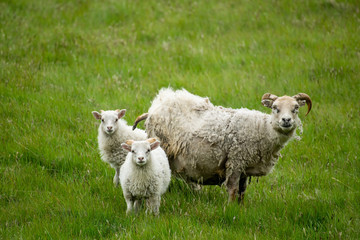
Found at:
(242, 187)
(153, 204)
(137, 205)
(232, 185)
(116, 180)
(129, 204)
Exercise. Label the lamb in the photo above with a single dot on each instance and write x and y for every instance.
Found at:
(213, 145)
(112, 132)
(145, 174)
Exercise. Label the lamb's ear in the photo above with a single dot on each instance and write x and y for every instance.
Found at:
(151, 140)
(267, 103)
(126, 147)
(121, 113)
(96, 114)
(154, 145)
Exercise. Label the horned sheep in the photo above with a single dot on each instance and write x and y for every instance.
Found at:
(213, 145)
(145, 174)
(111, 133)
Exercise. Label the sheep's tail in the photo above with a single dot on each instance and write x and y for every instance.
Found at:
(139, 119)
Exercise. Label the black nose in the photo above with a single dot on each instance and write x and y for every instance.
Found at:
(286, 120)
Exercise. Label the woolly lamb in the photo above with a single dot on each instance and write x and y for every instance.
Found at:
(145, 174)
(112, 132)
(213, 145)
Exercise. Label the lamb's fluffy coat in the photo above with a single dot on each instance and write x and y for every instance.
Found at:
(148, 181)
(110, 144)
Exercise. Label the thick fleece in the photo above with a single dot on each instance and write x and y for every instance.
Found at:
(110, 143)
(144, 175)
(210, 144)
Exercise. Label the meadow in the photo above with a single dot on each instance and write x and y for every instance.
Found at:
(61, 59)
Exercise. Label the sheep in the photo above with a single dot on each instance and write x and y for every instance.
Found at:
(213, 145)
(112, 132)
(145, 174)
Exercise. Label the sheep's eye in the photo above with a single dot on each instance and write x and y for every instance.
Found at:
(132, 151)
(102, 120)
(116, 120)
(276, 109)
(148, 151)
(295, 109)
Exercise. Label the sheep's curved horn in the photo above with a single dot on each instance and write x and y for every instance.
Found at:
(269, 96)
(129, 142)
(304, 96)
(139, 119)
(268, 99)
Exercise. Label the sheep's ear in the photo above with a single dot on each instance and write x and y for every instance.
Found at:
(121, 113)
(301, 102)
(96, 114)
(154, 145)
(126, 147)
(267, 103)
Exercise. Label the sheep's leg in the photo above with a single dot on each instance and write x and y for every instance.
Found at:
(242, 187)
(116, 180)
(232, 186)
(153, 204)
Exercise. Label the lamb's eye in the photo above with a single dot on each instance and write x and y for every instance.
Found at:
(116, 120)
(148, 151)
(102, 120)
(132, 151)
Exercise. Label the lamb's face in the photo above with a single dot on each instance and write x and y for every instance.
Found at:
(285, 113)
(140, 150)
(109, 120)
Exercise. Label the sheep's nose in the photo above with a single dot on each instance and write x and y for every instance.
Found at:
(109, 128)
(141, 158)
(286, 120)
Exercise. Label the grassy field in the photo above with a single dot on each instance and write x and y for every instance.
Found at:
(60, 60)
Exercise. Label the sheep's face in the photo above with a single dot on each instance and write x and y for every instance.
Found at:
(109, 120)
(140, 150)
(284, 112)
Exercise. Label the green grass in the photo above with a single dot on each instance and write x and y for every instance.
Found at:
(60, 60)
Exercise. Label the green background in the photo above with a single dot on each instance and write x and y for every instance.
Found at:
(60, 60)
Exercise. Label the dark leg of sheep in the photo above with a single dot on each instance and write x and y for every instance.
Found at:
(242, 188)
(233, 186)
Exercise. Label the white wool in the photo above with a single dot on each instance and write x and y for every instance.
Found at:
(208, 144)
(148, 181)
(110, 144)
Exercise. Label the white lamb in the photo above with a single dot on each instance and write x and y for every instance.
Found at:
(145, 174)
(112, 132)
(213, 145)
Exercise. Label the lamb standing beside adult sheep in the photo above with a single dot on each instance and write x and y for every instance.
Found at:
(145, 174)
(112, 132)
(213, 145)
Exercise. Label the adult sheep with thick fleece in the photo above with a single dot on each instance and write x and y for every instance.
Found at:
(145, 174)
(112, 132)
(213, 145)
